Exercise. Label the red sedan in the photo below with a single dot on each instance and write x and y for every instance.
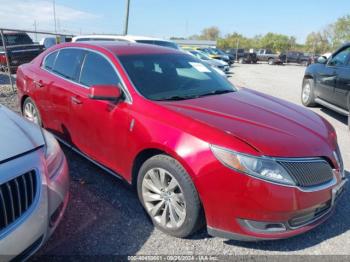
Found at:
(197, 149)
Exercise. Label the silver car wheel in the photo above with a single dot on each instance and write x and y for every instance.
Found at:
(163, 198)
(31, 113)
(306, 92)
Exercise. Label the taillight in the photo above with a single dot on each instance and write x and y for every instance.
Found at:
(3, 59)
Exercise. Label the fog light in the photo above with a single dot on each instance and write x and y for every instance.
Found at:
(263, 227)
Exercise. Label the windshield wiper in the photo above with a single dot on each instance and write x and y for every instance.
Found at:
(216, 92)
(175, 98)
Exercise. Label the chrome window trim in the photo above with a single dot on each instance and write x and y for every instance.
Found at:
(285, 159)
(128, 97)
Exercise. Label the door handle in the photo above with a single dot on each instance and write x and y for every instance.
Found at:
(38, 84)
(76, 100)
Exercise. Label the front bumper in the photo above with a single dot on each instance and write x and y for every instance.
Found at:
(25, 235)
(236, 201)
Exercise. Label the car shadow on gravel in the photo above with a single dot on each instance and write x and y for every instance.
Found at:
(341, 118)
(103, 217)
(337, 224)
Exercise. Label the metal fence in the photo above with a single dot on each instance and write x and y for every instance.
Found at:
(18, 47)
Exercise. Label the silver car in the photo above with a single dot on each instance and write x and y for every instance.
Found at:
(34, 185)
(223, 66)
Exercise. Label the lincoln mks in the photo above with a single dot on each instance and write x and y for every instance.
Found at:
(198, 150)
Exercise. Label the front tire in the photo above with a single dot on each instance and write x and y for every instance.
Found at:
(169, 196)
(307, 93)
(30, 111)
(270, 61)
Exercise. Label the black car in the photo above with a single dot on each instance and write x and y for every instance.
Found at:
(328, 82)
(296, 57)
(20, 50)
(242, 56)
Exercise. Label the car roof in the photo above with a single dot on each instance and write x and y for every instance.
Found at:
(122, 48)
(130, 38)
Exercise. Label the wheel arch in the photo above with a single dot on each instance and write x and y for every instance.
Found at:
(146, 153)
(23, 98)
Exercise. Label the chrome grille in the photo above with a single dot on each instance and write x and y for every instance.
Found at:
(16, 197)
(308, 173)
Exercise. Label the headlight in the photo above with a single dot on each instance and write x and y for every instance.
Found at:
(53, 154)
(260, 167)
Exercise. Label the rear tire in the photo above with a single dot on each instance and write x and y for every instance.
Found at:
(307, 93)
(169, 196)
(270, 61)
(30, 111)
(241, 60)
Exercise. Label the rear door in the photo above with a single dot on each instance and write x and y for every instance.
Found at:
(60, 88)
(99, 128)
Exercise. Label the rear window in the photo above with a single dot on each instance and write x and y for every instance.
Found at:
(16, 39)
(50, 60)
(68, 63)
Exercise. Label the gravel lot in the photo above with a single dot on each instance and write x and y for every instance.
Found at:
(105, 217)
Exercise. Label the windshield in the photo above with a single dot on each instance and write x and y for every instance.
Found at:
(218, 51)
(200, 55)
(173, 76)
(159, 42)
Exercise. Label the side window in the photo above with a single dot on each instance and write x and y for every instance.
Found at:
(68, 62)
(97, 70)
(50, 61)
(341, 58)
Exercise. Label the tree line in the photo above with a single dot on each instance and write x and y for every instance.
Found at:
(325, 40)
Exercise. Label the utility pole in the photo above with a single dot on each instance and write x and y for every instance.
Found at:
(36, 35)
(54, 15)
(126, 25)
(237, 49)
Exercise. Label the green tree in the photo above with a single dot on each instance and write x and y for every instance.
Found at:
(317, 42)
(341, 31)
(210, 33)
(277, 42)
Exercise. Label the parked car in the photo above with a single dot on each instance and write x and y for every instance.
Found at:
(242, 56)
(20, 50)
(296, 57)
(218, 51)
(50, 41)
(127, 38)
(328, 82)
(34, 184)
(267, 55)
(212, 53)
(223, 66)
(196, 148)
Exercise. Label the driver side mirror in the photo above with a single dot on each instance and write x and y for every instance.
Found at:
(322, 60)
(105, 92)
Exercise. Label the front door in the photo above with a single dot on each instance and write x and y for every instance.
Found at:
(328, 77)
(342, 89)
(99, 128)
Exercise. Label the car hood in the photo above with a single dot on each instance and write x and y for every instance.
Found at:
(17, 135)
(270, 125)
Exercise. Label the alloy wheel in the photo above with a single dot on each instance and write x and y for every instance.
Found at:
(163, 198)
(30, 112)
(306, 92)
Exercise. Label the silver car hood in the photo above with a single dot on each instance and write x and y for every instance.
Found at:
(17, 135)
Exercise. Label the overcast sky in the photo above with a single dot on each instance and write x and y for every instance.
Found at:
(166, 18)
